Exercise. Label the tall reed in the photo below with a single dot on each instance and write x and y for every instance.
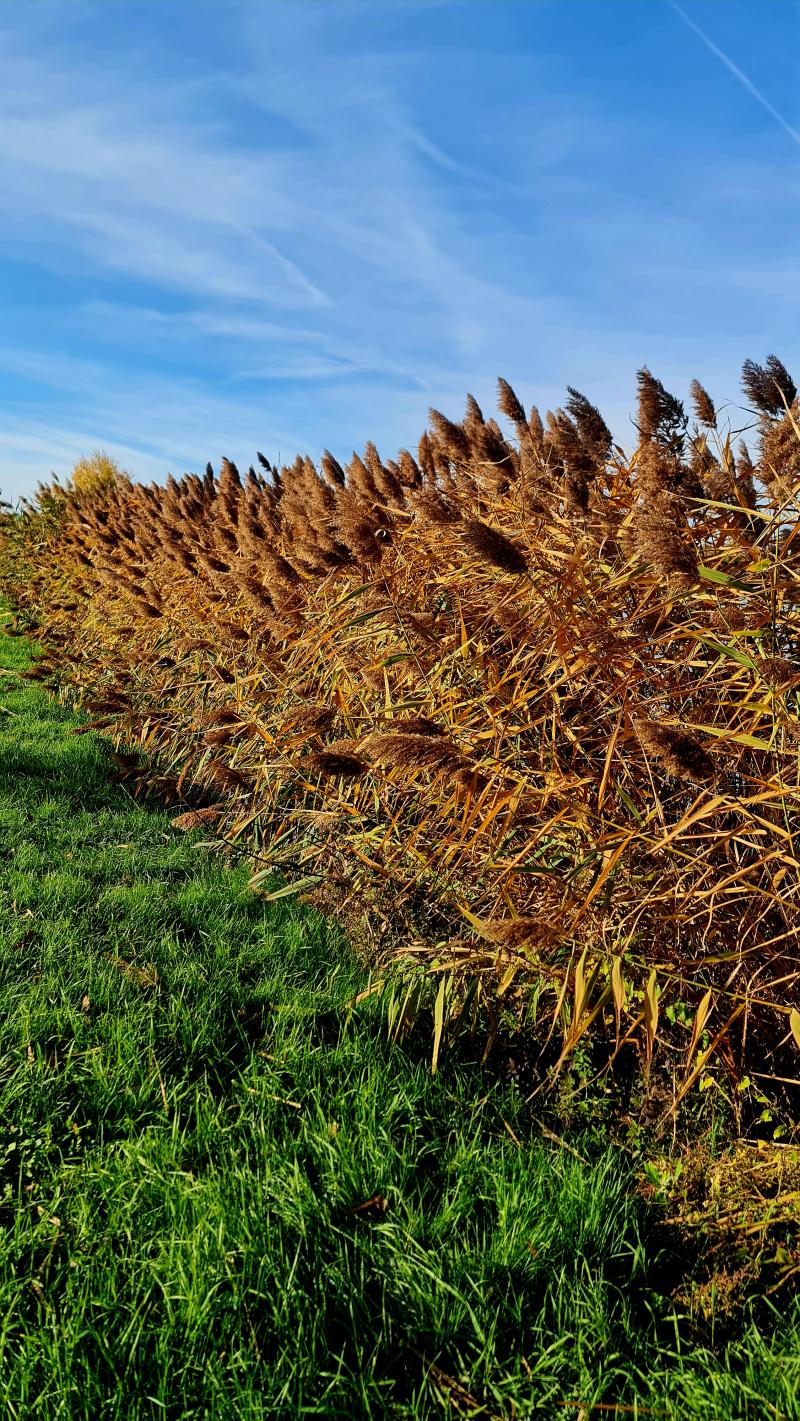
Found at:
(511, 679)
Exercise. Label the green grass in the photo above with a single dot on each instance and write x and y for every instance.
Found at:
(182, 1163)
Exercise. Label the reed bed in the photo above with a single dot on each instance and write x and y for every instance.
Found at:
(526, 702)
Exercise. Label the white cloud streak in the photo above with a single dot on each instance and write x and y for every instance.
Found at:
(736, 71)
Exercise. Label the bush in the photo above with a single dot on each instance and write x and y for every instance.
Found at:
(96, 474)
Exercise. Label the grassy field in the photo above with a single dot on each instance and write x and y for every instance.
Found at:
(223, 1194)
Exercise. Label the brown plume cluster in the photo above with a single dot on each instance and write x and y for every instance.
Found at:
(518, 677)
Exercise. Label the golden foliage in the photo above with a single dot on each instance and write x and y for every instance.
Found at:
(96, 474)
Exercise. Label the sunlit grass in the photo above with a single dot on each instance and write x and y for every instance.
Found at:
(192, 1122)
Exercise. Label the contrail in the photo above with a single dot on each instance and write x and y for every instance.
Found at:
(736, 71)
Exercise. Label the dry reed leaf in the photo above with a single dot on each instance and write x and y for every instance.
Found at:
(144, 977)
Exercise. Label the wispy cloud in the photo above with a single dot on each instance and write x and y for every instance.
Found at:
(36, 448)
(443, 160)
(293, 226)
(736, 71)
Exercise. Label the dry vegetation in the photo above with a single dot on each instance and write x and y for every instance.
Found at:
(528, 702)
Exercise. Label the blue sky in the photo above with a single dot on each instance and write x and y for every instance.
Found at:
(288, 225)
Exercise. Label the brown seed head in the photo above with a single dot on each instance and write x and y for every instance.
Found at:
(313, 718)
(703, 405)
(517, 933)
(331, 468)
(404, 750)
(681, 754)
(223, 736)
(778, 672)
(661, 415)
(473, 414)
(435, 507)
(494, 547)
(593, 431)
(196, 819)
(409, 473)
(416, 725)
(337, 761)
(663, 538)
(779, 460)
(226, 776)
(511, 406)
(452, 437)
(221, 717)
(767, 386)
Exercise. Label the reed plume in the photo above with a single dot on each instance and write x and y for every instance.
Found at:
(402, 749)
(661, 415)
(769, 387)
(494, 547)
(337, 761)
(663, 539)
(681, 753)
(509, 404)
(703, 405)
(196, 819)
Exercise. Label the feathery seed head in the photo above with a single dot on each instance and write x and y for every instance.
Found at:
(703, 405)
(402, 749)
(494, 547)
(768, 386)
(509, 405)
(681, 753)
(452, 437)
(338, 760)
